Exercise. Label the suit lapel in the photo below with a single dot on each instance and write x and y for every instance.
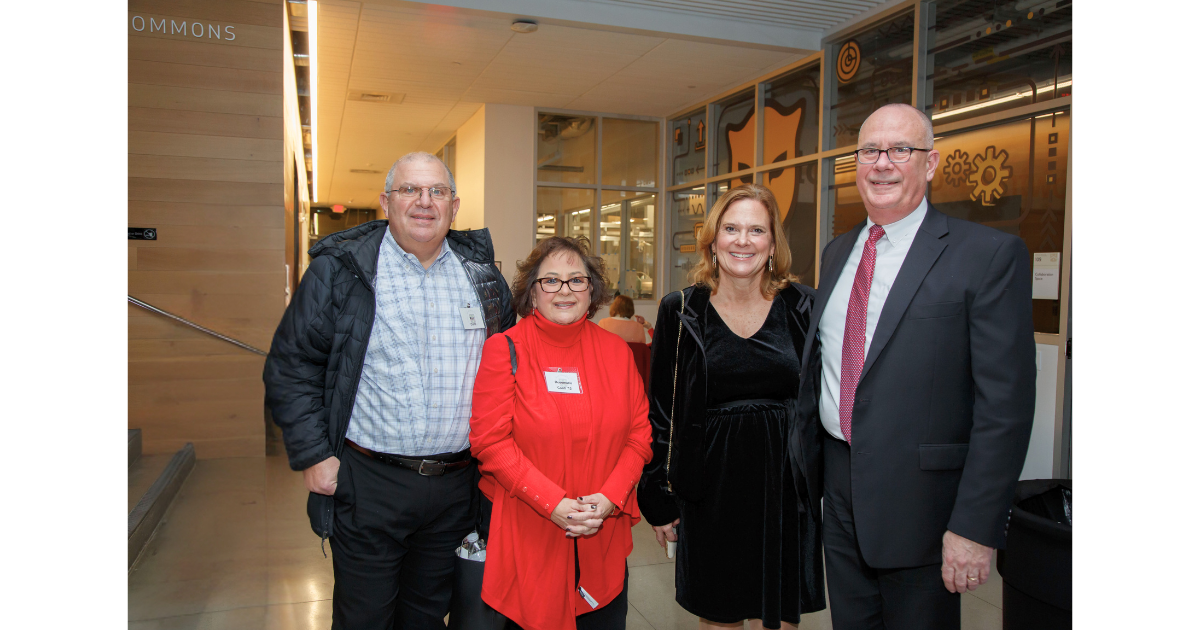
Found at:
(840, 252)
(926, 248)
(837, 252)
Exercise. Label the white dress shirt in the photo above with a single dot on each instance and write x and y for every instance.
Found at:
(889, 256)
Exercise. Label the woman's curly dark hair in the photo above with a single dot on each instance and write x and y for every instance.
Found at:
(527, 270)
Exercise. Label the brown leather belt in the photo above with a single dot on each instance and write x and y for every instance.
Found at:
(426, 467)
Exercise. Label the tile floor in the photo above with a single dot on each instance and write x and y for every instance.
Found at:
(235, 551)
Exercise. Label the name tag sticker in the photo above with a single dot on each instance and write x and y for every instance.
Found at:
(563, 381)
(471, 317)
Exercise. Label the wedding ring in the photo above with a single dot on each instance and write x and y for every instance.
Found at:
(972, 579)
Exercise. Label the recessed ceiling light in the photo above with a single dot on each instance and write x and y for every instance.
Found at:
(524, 26)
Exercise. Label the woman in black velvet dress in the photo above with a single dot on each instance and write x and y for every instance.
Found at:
(733, 408)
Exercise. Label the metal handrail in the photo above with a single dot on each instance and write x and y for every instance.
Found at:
(155, 309)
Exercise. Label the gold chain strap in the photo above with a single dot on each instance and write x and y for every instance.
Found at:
(674, 385)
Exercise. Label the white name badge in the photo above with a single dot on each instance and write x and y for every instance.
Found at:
(561, 381)
(471, 317)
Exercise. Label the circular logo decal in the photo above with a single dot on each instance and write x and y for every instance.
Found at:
(848, 60)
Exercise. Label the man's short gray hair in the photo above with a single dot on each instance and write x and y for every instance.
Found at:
(415, 156)
(927, 138)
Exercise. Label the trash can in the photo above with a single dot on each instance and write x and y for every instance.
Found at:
(1036, 560)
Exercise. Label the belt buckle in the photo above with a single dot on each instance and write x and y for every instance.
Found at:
(439, 468)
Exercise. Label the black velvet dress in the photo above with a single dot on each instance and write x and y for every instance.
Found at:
(740, 548)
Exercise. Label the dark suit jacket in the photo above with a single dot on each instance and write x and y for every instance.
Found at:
(944, 406)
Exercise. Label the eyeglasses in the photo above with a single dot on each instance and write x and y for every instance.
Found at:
(437, 193)
(898, 155)
(554, 285)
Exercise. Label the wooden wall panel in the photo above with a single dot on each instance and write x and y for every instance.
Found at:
(222, 11)
(189, 191)
(207, 282)
(162, 213)
(203, 53)
(219, 237)
(144, 119)
(191, 145)
(206, 169)
(193, 259)
(205, 77)
(196, 100)
(206, 160)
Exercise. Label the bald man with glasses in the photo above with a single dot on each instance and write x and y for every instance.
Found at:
(370, 376)
(925, 329)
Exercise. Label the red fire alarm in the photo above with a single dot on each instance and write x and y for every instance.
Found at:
(339, 208)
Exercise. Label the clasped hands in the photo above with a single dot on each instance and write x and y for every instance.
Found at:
(582, 516)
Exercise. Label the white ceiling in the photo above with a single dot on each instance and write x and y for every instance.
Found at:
(447, 61)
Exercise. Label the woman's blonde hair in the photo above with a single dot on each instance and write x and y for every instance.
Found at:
(707, 272)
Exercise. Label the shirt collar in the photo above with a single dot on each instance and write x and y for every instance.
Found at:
(903, 230)
(390, 241)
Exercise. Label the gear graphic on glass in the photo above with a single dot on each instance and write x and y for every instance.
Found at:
(989, 176)
(958, 167)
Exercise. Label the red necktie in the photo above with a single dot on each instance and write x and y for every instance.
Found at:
(855, 338)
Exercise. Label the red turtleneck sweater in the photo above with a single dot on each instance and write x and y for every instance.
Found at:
(536, 447)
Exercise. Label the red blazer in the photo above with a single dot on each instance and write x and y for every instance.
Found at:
(524, 447)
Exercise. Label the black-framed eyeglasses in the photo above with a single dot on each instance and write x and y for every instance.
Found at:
(437, 193)
(554, 285)
(897, 155)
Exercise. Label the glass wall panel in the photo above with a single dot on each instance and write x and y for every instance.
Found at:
(687, 216)
(630, 153)
(1012, 177)
(627, 242)
(848, 208)
(735, 134)
(988, 56)
(564, 212)
(566, 149)
(716, 189)
(871, 69)
(608, 246)
(688, 142)
(795, 190)
(791, 120)
(639, 270)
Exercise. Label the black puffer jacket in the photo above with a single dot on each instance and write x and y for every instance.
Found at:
(317, 354)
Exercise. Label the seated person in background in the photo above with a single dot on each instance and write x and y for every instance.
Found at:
(624, 324)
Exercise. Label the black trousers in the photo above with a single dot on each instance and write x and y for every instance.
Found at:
(865, 598)
(394, 535)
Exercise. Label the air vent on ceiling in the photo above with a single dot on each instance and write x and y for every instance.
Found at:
(365, 171)
(392, 98)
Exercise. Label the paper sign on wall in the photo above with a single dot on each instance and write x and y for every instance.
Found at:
(1045, 275)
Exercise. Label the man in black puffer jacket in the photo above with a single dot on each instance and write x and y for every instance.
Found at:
(378, 352)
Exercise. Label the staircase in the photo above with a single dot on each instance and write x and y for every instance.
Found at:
(154, 480)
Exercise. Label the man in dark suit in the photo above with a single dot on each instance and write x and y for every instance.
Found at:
(927, 390)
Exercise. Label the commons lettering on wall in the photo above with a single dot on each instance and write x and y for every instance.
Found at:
(182, 28)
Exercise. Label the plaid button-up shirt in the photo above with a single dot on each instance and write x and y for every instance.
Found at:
(414, 395)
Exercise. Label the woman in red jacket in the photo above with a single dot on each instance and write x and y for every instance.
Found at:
(561, 444)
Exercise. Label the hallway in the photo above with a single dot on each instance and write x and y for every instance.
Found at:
(235, 551)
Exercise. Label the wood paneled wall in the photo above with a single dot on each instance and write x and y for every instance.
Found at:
(206, 168)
